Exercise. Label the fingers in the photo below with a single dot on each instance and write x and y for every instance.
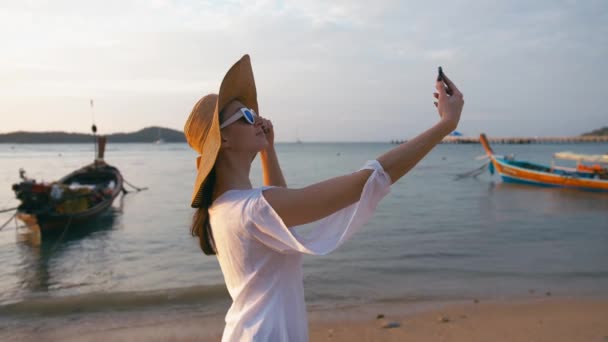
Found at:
(440, 90)
(266, 125)
(265, 121)
(452, 86)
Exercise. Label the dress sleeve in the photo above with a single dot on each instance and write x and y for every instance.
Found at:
(326, 234)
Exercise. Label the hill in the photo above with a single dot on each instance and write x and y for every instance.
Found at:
(146, 135)
(602, 132)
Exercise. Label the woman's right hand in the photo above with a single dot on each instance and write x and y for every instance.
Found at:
(449, 106)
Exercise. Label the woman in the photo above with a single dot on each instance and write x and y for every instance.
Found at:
(254, 231)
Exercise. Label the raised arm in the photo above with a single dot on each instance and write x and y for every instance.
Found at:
(300, 206)
(270, 162)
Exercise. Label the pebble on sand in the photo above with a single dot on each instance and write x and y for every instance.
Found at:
(548, 293)
(443, 319)
(380, 316)
(391, 325)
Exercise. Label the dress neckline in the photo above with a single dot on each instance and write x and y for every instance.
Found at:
(225, 193)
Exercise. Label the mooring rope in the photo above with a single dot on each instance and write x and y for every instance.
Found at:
(138, 189)
(473, 173)
(7, 222)
(7, 210)
(62, 235)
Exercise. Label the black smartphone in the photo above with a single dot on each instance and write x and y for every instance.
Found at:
(440, 78)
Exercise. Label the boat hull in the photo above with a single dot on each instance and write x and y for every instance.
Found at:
(50, 222)
(516, 171)
(514, 174)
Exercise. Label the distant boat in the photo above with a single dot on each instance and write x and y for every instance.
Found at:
(76, 198)
(456, 134)
(159, 140)
(592, 177)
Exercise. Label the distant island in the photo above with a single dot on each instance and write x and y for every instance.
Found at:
(146, 135)
(598, 132)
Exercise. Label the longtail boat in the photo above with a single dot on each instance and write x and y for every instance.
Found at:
(592, 177)
(82, 195)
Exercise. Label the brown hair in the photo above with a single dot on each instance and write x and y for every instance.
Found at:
(201, 226)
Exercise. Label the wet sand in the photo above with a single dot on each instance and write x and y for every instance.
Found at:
(536, 319)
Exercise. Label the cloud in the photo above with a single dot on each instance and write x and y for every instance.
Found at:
(313, 60)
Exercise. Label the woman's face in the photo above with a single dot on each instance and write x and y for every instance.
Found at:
(241, 136)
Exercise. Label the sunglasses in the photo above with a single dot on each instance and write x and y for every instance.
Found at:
(248, 114)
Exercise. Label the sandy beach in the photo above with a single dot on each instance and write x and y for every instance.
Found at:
(534, 319)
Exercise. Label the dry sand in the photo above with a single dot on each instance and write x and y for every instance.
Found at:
(531, 320)
(540, 319)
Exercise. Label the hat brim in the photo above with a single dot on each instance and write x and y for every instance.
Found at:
(238, 84)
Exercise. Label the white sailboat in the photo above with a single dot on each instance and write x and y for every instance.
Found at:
(159, 140)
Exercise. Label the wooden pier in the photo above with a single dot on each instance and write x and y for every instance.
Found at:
(523, 140)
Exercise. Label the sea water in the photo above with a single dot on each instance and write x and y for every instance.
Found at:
(435, 237)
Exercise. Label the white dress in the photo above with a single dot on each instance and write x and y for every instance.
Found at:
(261, 258)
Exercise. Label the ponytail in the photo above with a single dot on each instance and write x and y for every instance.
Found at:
(200, 220)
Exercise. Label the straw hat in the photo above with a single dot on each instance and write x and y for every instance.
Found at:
(202, 129)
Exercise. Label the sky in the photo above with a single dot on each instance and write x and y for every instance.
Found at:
(325, 70)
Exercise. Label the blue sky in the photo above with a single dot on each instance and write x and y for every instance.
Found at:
(325, 71)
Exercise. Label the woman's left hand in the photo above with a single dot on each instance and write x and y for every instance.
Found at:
(268, 130)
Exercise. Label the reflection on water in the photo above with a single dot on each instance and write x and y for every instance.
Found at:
(38, 261)
(548, 199)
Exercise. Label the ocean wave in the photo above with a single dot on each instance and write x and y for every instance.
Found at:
(117, 301)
